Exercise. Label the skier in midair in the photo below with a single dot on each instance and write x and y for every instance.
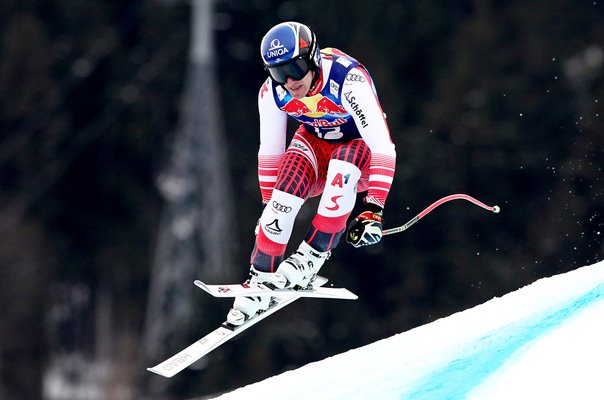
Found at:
(342, 146)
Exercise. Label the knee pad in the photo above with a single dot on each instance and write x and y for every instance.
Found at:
(277, 220)
(339, 194)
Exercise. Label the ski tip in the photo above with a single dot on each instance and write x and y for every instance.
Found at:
(158, 372)
(201, 284)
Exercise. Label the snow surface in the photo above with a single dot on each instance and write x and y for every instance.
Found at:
(544, 341)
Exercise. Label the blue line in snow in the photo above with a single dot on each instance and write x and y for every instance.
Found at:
(485, 356)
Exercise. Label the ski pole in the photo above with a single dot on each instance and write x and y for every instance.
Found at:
(437, 203)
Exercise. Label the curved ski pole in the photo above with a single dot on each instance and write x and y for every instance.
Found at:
(437, 203)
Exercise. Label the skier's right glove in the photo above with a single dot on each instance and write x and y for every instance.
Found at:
(366, 229)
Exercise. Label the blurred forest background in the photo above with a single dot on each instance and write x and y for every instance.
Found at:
(129, 134)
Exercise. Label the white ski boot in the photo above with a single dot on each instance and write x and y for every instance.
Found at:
(300, 268)
(246, 307)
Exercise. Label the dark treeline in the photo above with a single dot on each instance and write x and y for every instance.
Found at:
(499, 100)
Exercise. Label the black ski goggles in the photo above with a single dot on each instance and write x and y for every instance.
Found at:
(295, 69)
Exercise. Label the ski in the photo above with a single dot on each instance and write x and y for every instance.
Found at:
(224, 333)
(259, 289)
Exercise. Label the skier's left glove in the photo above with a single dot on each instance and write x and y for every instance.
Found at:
(366, 229)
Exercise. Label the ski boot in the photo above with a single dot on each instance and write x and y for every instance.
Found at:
(301, 268)
(246, 307)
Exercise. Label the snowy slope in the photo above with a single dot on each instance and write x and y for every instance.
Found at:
(544, 341)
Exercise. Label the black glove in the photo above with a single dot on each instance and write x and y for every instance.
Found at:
(366, 229)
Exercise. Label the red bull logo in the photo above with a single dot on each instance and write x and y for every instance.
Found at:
(325, 105)
(313, 107)
(322, 123)
(296, 108)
